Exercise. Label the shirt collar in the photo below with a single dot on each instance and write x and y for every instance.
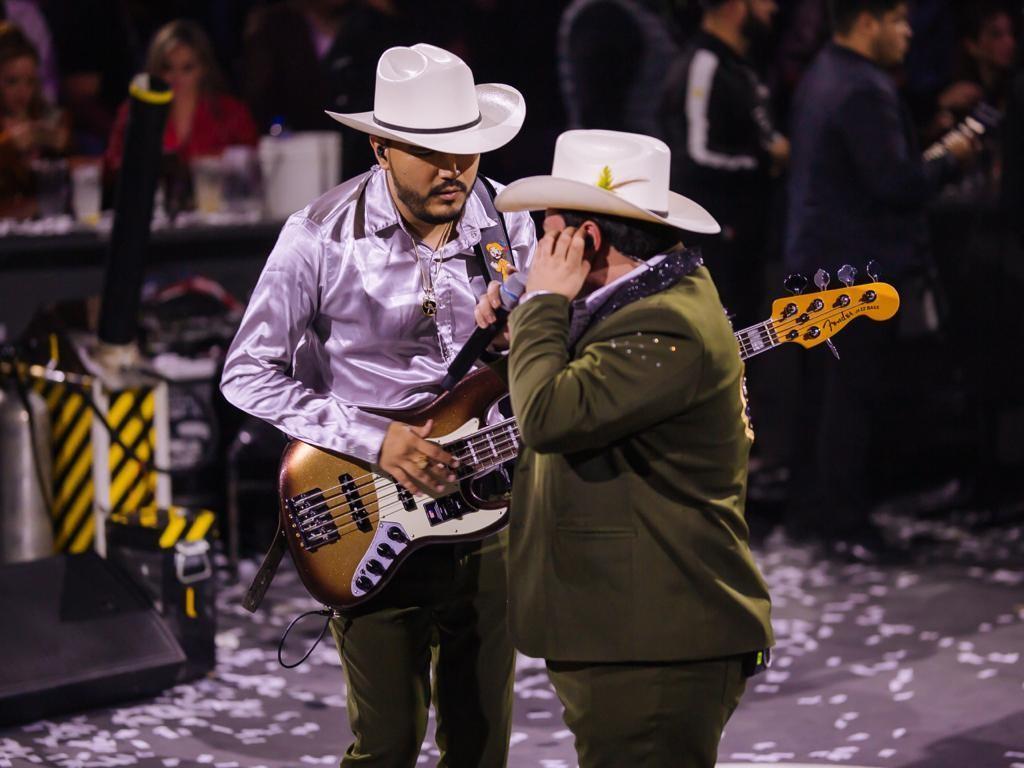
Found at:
(594, 300)
(382, 214)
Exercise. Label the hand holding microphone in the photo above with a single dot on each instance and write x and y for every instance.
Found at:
(508, 294)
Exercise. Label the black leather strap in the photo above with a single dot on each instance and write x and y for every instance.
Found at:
(254, 595)
(485, 192)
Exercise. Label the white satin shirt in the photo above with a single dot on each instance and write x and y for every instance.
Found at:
(335, 324)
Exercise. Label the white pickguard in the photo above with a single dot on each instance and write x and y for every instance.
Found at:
(416, 523)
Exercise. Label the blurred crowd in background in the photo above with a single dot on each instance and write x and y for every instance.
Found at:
(739, 89)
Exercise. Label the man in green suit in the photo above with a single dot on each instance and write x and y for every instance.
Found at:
(630, 571)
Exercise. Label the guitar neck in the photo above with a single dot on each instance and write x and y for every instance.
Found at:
(757, 339)
(494, 445)
(486, 449)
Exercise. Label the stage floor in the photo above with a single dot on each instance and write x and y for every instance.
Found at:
(916, 665)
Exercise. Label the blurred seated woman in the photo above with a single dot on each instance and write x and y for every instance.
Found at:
(30, 128)
(203, 119)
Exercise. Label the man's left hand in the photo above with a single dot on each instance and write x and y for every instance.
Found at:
(558, 265)
(484, 314)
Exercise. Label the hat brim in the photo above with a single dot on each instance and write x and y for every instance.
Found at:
(540, 192)
(502, 111)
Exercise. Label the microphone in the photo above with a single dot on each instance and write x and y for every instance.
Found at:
(511, 290)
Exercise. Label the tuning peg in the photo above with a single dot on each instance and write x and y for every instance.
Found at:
(872, 270)
(832, 348)
(822, 279)
(795, 283)
(847, 275)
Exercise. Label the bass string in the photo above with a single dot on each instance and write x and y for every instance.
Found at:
(509, 446)
(377, 514)
(360, 482)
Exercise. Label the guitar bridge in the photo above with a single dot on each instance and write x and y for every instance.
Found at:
(312, 518)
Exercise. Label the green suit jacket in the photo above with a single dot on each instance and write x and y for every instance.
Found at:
(627, 535)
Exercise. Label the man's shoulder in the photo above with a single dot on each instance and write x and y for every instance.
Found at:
(840, 71)
(326, 210)
(497, 186)
(679, 310)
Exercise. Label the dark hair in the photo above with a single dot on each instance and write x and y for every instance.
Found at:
(639, 239)
(15, 44)
(191, 35)
(845, 12)
(979, 14)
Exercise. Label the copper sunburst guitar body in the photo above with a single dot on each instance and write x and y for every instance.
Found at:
(349, 526)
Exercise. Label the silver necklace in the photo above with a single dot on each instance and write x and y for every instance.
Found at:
(429, 272)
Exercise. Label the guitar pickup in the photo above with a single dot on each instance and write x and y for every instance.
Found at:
(444, 509)
(355, 503)
(406, 498)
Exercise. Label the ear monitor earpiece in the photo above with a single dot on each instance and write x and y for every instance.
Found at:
(380, 151)
(588, 242)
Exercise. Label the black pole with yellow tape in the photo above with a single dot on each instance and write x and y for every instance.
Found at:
(149, 102)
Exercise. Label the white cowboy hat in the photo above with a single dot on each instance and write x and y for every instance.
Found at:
(621, 174)
(426, 96)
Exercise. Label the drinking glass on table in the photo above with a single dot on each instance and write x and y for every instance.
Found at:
(51, 180)
(86, 191)
(208, 183)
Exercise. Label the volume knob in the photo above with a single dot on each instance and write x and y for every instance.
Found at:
(395, 534)
(364, 583)
(374, 566)
(385, 550)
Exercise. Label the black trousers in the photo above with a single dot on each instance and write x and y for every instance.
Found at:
(839, 431)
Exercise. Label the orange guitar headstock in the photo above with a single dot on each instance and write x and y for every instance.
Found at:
(813, 318)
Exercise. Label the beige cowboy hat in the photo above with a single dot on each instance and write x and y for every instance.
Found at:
(425, 96)
(620, 174)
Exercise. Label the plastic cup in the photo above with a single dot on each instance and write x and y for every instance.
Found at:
(208, 184)
(86, 192)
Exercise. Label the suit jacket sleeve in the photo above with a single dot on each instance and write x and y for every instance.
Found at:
(641, 366)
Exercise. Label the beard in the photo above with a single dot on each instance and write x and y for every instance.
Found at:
(418, 204)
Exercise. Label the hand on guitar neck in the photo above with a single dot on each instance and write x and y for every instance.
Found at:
(414, 461)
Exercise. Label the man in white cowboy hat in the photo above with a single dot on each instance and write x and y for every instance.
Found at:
(631, 573)
(364, 301)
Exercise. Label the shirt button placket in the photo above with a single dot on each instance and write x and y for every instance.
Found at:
(445, 317)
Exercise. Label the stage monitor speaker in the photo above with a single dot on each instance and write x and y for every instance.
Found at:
(76, 634)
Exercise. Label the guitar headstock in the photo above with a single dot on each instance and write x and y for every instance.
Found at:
(813, 318)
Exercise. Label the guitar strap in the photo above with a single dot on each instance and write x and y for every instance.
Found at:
(495, 245)
(254, 594)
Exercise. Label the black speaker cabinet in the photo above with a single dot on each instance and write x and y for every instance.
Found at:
(75, 634)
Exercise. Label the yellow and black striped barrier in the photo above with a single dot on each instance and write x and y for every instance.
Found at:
(162, 528)
(100, 462)
(71, 434)
(132, 480)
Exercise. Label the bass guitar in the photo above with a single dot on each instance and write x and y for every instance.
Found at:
(349, 526)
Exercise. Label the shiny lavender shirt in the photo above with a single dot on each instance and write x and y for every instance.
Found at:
(335, 324)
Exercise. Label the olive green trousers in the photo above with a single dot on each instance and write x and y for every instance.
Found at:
(656, 715)
(444, 612)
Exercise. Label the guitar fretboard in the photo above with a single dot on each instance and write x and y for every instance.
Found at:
(757, 339)
(486, 449)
